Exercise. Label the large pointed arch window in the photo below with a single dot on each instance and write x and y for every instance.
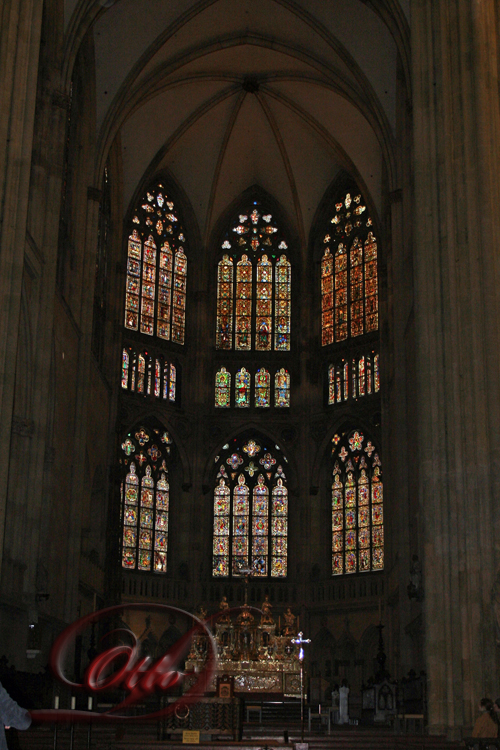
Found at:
(254, 285)
(250, 510)
(145, 499)
(349, 273)
(357, 505)
(155, 298)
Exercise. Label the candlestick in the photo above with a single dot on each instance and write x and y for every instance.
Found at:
(89, 703)
(73, 702)
(56, 701)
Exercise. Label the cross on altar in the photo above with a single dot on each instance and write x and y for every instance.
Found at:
(299, 641)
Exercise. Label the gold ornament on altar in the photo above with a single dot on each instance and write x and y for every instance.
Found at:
(266, 617)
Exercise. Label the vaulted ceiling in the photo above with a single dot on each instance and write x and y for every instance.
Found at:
(226, 94)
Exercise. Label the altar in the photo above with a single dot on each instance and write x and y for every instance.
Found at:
(256, 656)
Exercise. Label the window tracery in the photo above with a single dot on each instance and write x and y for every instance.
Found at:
(357, 505)
(258, 306)
(155, 299)
(250, 511)
(349, 274)
(145, 498)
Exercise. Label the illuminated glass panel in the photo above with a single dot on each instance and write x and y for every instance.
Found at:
(223, 388)
(179, 297)
(243, 327)
(360, 375)
(155, 300)
(242, 388)
(371, 283)
(357, 505)
(327, 298)
(282, 304)
(340, 293)
(141, 372)
(260, 527)
(224, 334)
(133, 282)
(125, 368)
(157, 378)
(222, 513)
(282, 388)
(262, 388)
(172, 391)
(241, 530)
(349, 275)
(264, 305)
(165, 291)
(145, 500)
(258, 307)
(253, 529)
(148, 287)
(356, 279)
(279, 530)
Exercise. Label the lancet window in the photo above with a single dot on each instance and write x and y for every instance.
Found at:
(266, 387)
(357, 505)
(349, 273)
(250, 510)
(145, 498)
(148, 374)
(155, 299)
(353, 377)
(254, 285)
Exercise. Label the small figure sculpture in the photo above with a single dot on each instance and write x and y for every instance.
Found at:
(245, 618)
(266, 617)
(223, 607)
(289, 623)
(202, 613)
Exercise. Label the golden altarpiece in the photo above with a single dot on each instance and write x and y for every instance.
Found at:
(255, 653)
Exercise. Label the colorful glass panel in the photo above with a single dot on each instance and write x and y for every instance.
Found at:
(179, 297)
(241, 513)
(125, 368)
(153, 277)
(327, 298)
(145, 506)
(282, 304)
(357, 507)
(282, 388)
(264, 305)
(253, 232)
(223, 388)
(242, 388)
(224, 332)
(172, 390)
(243, 321)
(349, 275)
(262, 388)
(250, 529)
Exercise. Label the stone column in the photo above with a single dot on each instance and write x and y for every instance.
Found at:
(456, 263)
(20, 28)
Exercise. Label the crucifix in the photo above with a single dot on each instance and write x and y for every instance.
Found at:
(299, 641)
(247, 572)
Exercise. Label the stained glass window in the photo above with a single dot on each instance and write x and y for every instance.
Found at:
(262, 388)
(145, 499)
(148, 375)
(250, 510)
(355, 378)
(282, 388)
(357, 505)
(155, 299)
(258, 302)
(349, 274)
(223, 388)
(242, 388)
